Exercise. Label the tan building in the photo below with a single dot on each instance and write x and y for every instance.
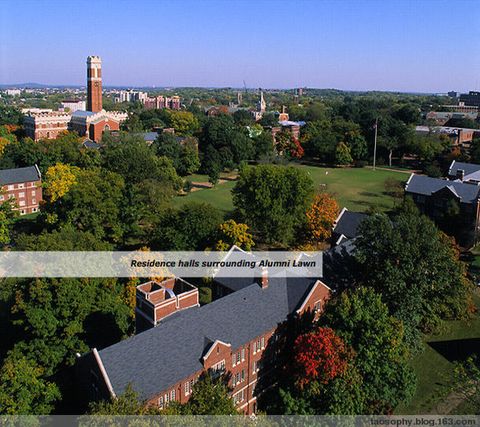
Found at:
(45, 125)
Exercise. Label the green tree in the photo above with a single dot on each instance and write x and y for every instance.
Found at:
(23, 390)
(7, 215)
(59, 318)
(417, 269)
(192, 227)
(381, 354)
(184, 122)
(273, 200)
(342, 154)
(127, 403)
(210, 396)
(92, 204)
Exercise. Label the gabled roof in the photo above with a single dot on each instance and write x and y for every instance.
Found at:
(19, 175)
(420, 184)
(348, 222)
(160, 357)
(468, 168)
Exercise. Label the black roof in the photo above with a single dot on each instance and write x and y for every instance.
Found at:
(421, 184)
(18, 175)
(348, 222)
(468, 168)
(160, 357)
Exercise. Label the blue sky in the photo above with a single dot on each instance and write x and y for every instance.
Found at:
(405, 45)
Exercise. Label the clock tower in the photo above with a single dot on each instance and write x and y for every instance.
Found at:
(94, 84)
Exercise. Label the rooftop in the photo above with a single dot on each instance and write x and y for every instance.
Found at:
(19, 175)
(348, 222)
(420, 184)
(162, 356)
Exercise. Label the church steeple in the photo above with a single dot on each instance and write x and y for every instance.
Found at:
(261, 105)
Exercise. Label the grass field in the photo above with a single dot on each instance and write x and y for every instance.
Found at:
(355, 188)
(434, 366)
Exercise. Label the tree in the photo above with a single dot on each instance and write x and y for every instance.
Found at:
(466, 382)
(92, 204)
(192, 227)
(59, 180)
(127, 403)
(136, 162)
(362, 320)
(287, 145)
(263, 144)
(273, 200)
(321, 216)
(342, 154)
(231, 233)
(7, 215)
(23, 390)
(67, 238)
(417, 269)
(59, 318)
(210, 396)
(243, 117)
(184, 122)
(319, 356)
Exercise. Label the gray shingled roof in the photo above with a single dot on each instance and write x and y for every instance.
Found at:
(348, 223)
(468, 168)
(158, 358)
(18, 175)
(420, 184)
(150, 136)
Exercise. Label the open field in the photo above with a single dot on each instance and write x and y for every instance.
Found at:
(434, 366)
(355, 188)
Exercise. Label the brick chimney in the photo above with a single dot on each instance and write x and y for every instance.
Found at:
(460, 174)
(264, 278)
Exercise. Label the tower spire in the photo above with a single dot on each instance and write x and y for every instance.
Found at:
(94, 83)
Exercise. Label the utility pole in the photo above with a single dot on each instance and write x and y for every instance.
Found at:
(375, 144)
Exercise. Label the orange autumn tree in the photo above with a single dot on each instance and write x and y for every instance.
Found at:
(321, 215)
(320, 356)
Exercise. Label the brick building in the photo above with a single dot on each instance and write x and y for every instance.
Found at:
(24, 185)
(453, 204)
(238, 333)
(91, 123)
(46, 125)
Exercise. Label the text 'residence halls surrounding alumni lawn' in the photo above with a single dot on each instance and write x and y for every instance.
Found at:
(116, 169)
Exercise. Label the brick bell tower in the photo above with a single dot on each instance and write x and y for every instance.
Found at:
(94, 84)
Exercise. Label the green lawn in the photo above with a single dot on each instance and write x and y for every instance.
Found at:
(433, 369)
(355, 188)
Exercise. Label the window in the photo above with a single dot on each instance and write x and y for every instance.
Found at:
(21, 203)
(22, 212)
(33, 193)
(234, 359)
(317, 306)
(243, 375)
(34, 201)
(243, 354)
(34, 210)
(218, 368)
(21, 185)
(11, 187)
(263, 343)
(21, 194)
(239, 397)
(160, 402)
(172, 395)
(187, 388)
(166, 399)
(238, 357)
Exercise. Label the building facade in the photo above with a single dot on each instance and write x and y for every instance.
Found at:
(239, 334)
(73, 105)
(46, 125)
(90, 123)
(24, 185)
(94, 84)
